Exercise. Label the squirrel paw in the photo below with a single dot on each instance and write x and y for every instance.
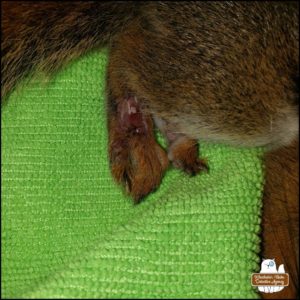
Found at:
(184, 155)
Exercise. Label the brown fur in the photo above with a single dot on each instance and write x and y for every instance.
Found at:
(280, 222)
(44, 35)
(216, 71)
(184, 155)
(133, 156)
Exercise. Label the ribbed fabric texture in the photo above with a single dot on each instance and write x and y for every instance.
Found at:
(69, 231)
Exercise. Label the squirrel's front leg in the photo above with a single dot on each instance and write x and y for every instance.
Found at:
(182, 150)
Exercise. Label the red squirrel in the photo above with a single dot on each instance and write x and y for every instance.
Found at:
(225, 72)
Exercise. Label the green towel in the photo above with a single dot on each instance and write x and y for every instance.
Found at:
(69, 231)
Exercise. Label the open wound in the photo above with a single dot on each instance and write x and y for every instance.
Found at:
(131, 119)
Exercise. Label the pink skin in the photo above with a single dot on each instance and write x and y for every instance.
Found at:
(164, 127)
(131, 117)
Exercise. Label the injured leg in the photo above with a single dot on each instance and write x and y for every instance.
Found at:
(136, 160)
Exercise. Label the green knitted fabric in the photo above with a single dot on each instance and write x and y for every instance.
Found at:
(69, 231)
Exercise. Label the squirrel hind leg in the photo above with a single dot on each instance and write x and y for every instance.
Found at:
(137, 162)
